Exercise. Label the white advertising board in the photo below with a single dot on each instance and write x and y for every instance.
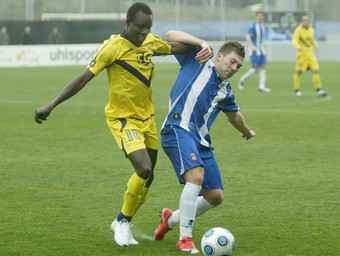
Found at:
(47, 55)
(81, 54)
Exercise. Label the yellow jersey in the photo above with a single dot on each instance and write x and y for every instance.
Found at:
(304, 38)
(130, 72)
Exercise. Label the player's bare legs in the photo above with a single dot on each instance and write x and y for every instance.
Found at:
(143, 161)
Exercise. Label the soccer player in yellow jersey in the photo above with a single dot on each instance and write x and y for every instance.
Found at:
(127, 58)
(304, 41)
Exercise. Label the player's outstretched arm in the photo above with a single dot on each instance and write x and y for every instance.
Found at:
(71, 89)
(237, 120)
(184, 38)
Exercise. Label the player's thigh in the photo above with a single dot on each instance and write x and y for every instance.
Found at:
(182, 151)
(313, 63)
(255, 60)
(263, 60)
(194, 175)
(302, 63)
(128, 134)
(150, 132)
(212, 175)
(258, 61)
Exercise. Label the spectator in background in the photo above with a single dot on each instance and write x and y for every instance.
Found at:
(55, 37)
(255, 38)
(27, 37)
(4, 37)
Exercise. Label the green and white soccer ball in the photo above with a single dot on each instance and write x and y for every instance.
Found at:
(218, 241)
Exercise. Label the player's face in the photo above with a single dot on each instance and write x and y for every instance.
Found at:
(305, 21)
(228, 65)
(138, 29)
(260, 17)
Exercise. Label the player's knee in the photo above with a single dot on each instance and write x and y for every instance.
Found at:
(218, 199)
(144, 171)
(194, 175)
(215, 197)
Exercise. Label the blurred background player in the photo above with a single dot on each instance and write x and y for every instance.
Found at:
(199, 94)
(258, 60)
(304, 41)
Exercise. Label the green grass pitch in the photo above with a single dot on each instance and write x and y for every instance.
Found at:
(62, 182)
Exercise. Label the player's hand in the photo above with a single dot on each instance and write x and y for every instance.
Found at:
(205, 53)
(42, 113)
(249, 135)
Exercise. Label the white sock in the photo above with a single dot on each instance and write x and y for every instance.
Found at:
(263, 78)
(248, 74)
(188, 206)
(202, 206)
(174, 219)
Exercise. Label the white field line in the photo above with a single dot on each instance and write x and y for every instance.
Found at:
(29, 102)
(277, 108)
(295, 111)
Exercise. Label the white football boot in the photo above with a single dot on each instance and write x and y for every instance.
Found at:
(122, 233)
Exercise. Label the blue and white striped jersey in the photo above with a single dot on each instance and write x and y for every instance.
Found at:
(196, 98)
(257, 32)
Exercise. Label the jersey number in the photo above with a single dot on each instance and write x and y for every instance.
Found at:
(131, 134)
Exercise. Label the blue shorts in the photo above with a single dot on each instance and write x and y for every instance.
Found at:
(186, 153)
(258, 61)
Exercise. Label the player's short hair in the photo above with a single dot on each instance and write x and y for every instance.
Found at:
(259, 12)
(135, 8)
(232, 46)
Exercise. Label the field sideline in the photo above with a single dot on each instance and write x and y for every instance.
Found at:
(62, 182)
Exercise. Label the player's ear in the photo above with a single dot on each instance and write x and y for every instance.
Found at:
(219, 56)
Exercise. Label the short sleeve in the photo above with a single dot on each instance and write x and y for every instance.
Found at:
(105, 56)
(184, 58)
(160, 46)
(228, 103)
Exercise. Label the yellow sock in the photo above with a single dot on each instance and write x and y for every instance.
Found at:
(133, 191)
(296, 82)
(316, 81)
(141, 199)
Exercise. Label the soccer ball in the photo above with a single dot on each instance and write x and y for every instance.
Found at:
(218, 242)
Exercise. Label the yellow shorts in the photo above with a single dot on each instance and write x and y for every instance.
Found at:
(306, 61)
(132, 134)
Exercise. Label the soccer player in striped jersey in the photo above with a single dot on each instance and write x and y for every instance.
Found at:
(198, 95)
(127, 58)
(304, 41)
(258, 60)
